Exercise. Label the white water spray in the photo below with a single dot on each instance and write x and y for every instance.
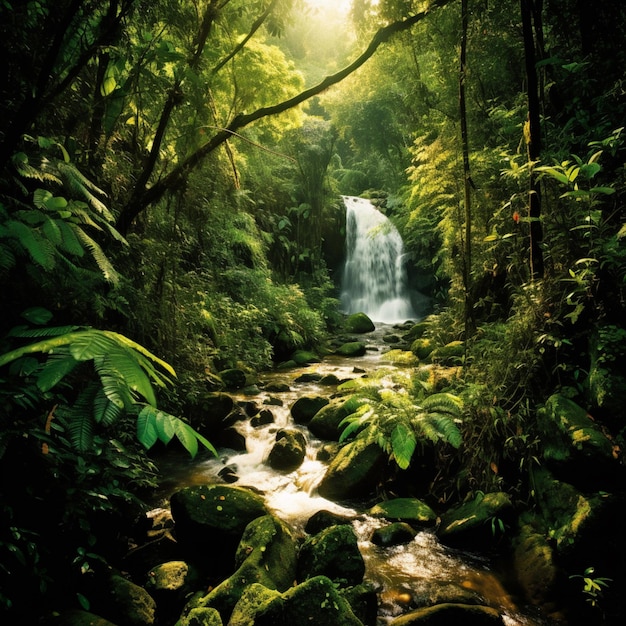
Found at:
(374, 279)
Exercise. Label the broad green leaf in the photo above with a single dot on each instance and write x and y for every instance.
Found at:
(37, 315)
(108, 86)
(403, 444)
(55, 369)
(146, 427)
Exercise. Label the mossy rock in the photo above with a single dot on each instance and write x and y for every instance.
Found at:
(315, 601)
(304, 357)
(477, 524)
(233, 378)
(333, 552)
(352, 349)
(305, 407)
(266, 555)
(422, 348)
(124, 602)
(450, 354)
(410, 510)
(572, 439)
(202, 616)
(325, 423)
(417, 331)
(533, 561)
(393, 534)
(358, 323)
(354, 472)
(210, 520)
(288, 451)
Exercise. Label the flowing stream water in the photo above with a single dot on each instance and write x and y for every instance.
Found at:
(374, 283)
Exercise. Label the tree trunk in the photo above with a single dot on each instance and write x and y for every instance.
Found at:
(532, 135)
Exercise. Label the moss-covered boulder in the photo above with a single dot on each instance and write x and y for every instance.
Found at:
(266, 555)
(325, 423)
(535, 568)
(169, 584)
(574, 446)
(450, 354)
(449, 614)
(351, 349)
(315, 601)
(210, 520)
(209, 412)
(123, 602)
(233, 378)
(393, 534)
(422, 348)
(323, 519)
(288, 450)
(409, 510)
(477, 524)
(305, 357)
(355, 471)
(305, 407)
(417, 331)
(202, 616)
(334, 553)
(581, 525)
(358, 323)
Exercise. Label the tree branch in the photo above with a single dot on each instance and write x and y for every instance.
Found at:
(142, 199)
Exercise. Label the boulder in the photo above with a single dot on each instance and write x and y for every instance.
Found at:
(77, 617)
(266, 555)
(263, 418)
(315, 601)
(448, 614)
(325, 423)
(288, 450)
(358, 323)
(363, 601)
(323, 519)
(304, 357)
(169, 584)
(202, 616)
(393, 534)
(209, 412)
(305, 407)
(574, 446)
(409, 510)
(351, 349)
(233, 378)
(123, 602)
(333, 553)
(422, 348)
(450, 354)
(477, 524)
(417, 331)
(355, 471)
(210, 520)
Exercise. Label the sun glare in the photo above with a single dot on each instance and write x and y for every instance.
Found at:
(341, 6)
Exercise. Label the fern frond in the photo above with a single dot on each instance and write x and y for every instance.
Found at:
(443, 402)
(26, 332)
(78, 420)
(69, 241)
(403, 444)
(39, 249)
(102, 261)
(438, 427)
(125, 365)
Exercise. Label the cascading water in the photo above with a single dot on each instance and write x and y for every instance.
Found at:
(374, 278)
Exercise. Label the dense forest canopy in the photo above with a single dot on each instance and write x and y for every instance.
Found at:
(171, 176)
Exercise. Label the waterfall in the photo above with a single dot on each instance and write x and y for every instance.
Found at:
(374, 278)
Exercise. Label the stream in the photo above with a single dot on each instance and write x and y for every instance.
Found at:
(400, 573)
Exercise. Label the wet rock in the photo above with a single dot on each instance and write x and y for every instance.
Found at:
(410, 510)
(209, 412)
(210, 520)
(201, 617)
(229, 474)
(535, 569)
(263, 418)
(476, 524)
(352, 349)
(323, 519)
(393, 534)
(123, 602)
(422, 348)
(305, 407)
(355, 471)
(358, 323)
(266, 555)
(309, 377)
(329, 380)
(363, 601)
(288, 451)
(334, 553)
(325, 423)
(391, 338)
(277, 387)
(304, 357)
(169, 583)
(230, 438)
(447, 614)
(315, 601)
(417, 331)
(450, 354)
(233, 378)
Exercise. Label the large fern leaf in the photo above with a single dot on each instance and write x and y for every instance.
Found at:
(39, 249)
(102, 261)
(403, 443)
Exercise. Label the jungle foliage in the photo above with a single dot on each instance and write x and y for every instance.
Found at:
(170, 180)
